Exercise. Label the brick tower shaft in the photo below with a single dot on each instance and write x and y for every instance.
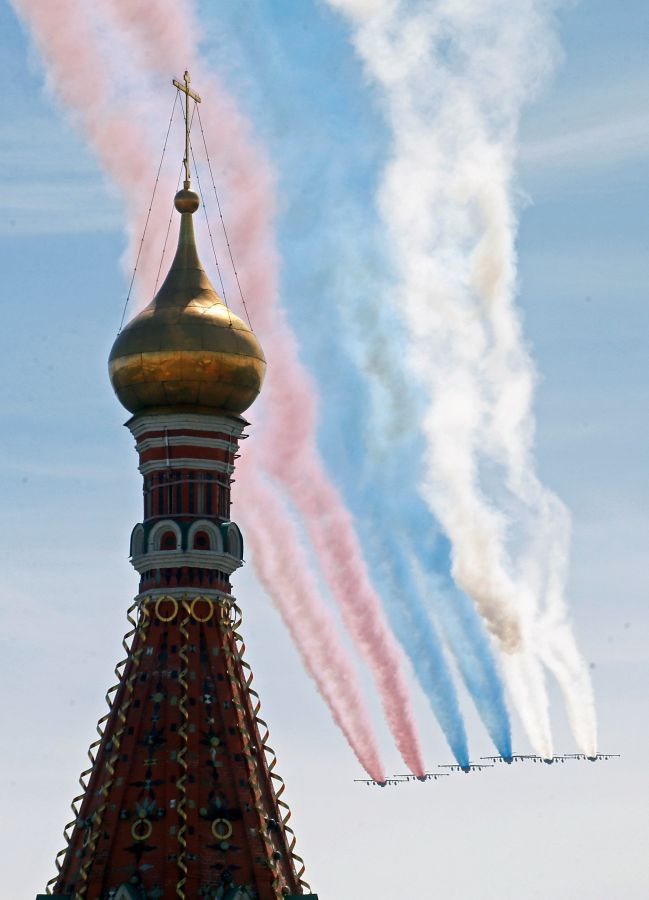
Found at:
(183, 799)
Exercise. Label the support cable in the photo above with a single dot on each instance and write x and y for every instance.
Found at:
(225, 233)
(171, 214)
(164, 247)
(209, 231)
(148, 215)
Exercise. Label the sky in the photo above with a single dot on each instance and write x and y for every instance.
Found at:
(72, 491)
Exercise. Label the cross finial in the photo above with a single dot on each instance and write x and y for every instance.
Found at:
(188, 93)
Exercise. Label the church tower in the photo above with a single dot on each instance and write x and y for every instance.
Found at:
(182, 799)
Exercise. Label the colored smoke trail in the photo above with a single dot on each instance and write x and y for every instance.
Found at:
(418, 562)
(281, 563)
(342, 260)
(462, 628)
(79, 76)
(465, 636)
(332, 533)
(76, 76)
(287, 438)
(416, 632)
(453, 78)
(66, 39)
(397, 527)
(408, 561)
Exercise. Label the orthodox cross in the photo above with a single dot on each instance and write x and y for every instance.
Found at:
(188, 93)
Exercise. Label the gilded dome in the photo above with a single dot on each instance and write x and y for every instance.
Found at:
(186, 349)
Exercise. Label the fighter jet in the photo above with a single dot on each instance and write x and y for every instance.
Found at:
(515, 757)
(399, 779)
(597, 756)
(525, 757)
(388, 781)
(471, 767)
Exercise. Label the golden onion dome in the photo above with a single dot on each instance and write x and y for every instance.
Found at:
(186, 349)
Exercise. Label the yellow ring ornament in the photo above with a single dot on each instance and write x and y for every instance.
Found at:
(141, 829)
(163, 600)
(192, 609)
(221, 829)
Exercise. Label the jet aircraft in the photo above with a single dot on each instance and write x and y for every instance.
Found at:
(515, 757)
(489, 764)
(597, 756)
(399, 779)
(386, 783)
(471, 767)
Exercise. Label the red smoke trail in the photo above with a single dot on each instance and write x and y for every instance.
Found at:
(292, 456)
(164, 32)
(281, 564)
(67, 42)
(77, 76)
(125, 151)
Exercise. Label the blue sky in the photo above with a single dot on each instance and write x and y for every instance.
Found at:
(72, 493)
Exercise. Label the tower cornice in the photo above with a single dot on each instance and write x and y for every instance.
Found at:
(196, 559)
(187, 422)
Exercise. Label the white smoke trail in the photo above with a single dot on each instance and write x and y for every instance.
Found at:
(453, 77)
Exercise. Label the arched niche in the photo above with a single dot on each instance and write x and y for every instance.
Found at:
(233, 540)
(205, 527)
(137, 540)
(160, 532)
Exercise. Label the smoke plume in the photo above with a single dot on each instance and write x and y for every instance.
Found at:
(78, 75)
(284, 572)
(452, 78)
(286, 439)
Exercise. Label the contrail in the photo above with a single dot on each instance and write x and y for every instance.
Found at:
(79, 79)
(288, 435)
(453, 77)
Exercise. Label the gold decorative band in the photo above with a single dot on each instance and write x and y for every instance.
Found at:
(197, 612)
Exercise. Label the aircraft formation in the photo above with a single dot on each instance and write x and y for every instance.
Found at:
(525, 757)
(489, 763)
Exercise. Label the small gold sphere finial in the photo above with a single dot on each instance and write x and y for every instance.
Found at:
(186, 201)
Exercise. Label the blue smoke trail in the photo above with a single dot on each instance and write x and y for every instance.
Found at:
(413, 563)
(332, 252)
(415, 631)
(464, 633)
